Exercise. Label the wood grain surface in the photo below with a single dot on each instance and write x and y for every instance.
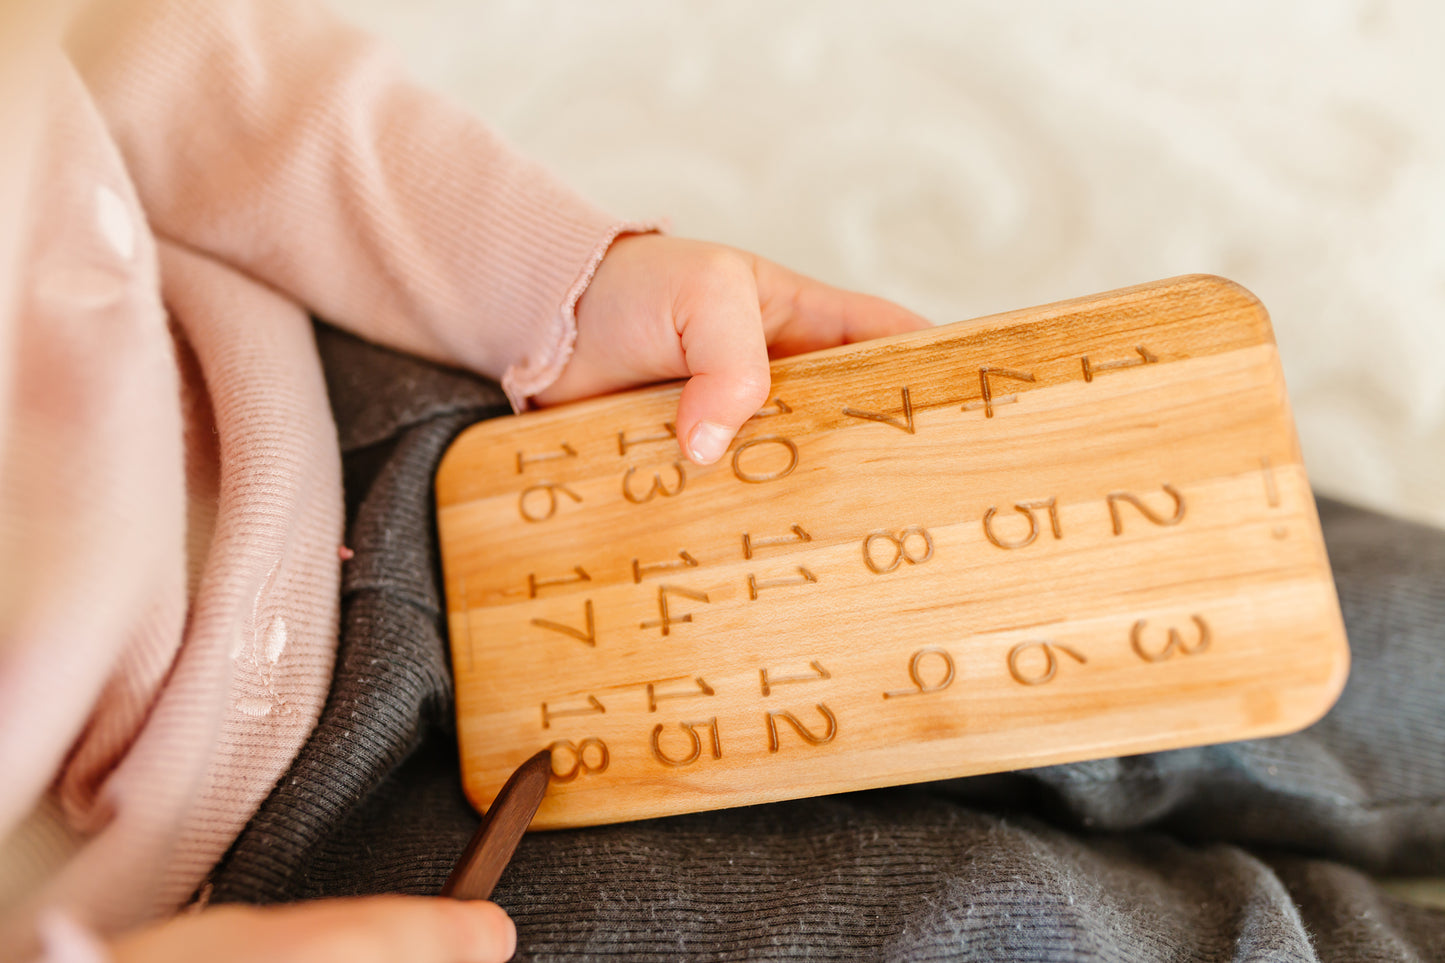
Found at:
(1062, 533)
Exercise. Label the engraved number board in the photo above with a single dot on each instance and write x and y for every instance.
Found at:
(1069, 532)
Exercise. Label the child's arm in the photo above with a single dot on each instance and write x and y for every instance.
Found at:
(269, 135)
(266, 134)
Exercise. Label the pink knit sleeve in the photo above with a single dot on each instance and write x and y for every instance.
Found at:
(269, 135)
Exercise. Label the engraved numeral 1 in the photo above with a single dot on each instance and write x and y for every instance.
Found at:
(755, 586)
(768, 684)
(751, 545)
(523, 459)
(1092, 369)
(639, 570)
(701, 688)
(1271, 494)
(624, 442)
(774, 408)
(534, 583)
(594, 706)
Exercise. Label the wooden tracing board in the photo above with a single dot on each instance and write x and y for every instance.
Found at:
(1069, 532)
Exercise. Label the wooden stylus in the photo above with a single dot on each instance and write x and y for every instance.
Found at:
(496, 839)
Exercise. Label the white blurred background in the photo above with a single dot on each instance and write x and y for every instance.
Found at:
(965, 158)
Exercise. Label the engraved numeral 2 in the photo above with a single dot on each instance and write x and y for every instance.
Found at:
(1116, 497)
(830, 730)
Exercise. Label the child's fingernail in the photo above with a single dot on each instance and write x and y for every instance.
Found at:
(708, 442)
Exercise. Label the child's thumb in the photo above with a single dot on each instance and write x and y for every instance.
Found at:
(727, 358)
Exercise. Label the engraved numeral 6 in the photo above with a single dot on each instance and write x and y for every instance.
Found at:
(581, 766)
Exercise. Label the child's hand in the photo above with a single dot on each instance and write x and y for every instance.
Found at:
(660, 308)
(376, 929)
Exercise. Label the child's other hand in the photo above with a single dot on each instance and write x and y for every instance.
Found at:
(376, 929)
(660, 308)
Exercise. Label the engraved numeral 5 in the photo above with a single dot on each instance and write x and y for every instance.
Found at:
(1027, 509)
(715, 743)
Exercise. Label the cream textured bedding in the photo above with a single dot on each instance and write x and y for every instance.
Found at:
(965, 158)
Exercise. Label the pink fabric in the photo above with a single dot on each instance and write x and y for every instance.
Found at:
(199, 175)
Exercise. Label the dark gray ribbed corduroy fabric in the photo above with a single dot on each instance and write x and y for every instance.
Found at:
(1249, 851)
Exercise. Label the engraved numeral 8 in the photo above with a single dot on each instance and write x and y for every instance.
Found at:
(902, 550)
(580, 764)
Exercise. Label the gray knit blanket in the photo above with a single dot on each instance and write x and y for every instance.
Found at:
(1263, 850)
